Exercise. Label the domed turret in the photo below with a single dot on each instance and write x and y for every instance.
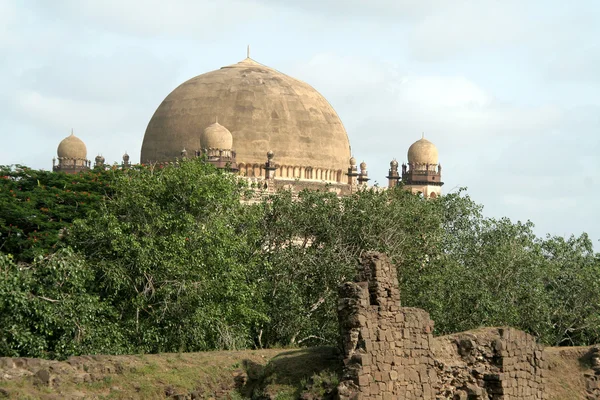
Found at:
(363, 177)
(72, 155)
(72, 147)
(393, 175)
(422, 152)
(126, 163)
(216, 136)
(423, 174)
(217, 145)
(99, 160)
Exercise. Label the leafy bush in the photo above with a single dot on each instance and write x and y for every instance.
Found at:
(48, 309)
(174, 259)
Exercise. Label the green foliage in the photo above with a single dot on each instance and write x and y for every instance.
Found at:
(47, 309)
(466, 270)
(36, 206)
(172, 259)
(573, 288)
(170, 254)
(312, 245)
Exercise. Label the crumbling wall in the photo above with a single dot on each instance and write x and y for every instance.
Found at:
(593, 379)
(490, 363)
(390, 353)
(386, 347)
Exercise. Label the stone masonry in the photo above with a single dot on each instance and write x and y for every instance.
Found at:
(490, 363)
(390, 353)
(593, 378)
(386, 348)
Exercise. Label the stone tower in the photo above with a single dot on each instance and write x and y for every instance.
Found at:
(72, 156)
(423, 174)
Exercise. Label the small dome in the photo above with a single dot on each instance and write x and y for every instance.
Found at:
(423, 152)
(363, 165)
(216, 136)
(352, 161)
(393, 163)
(99, 159)
(72, 147)
(270, 155)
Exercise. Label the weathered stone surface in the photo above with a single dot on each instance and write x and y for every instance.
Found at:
(263, 109)
(378, 335)
(43, 377)
(389, 351)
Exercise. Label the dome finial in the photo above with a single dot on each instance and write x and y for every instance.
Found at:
(71, 131)
(216, 119)
(248, 51)
(422, 135)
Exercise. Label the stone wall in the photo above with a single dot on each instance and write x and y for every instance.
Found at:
(386, 348)
(490, 363)
(593, 378)
(390, 353)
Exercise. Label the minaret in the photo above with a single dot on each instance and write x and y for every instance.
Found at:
(393, 175)
(352, 172)
(363, 177)
(126, 164)
(270, 166)
(99, 161)
(424, 173)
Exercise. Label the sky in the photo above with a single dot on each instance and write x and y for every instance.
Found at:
(508, 90)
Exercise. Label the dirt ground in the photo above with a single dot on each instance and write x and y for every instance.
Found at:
(567, 366)
(268, 374)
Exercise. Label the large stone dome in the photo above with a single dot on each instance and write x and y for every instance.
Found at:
(262, 108)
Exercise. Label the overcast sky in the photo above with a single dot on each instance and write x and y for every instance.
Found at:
(508, 90)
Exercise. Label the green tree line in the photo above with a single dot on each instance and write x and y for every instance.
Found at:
(175, 259)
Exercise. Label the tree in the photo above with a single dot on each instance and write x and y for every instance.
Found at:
(170, 253)
(312, 244)
(49, 309)
(36, 206)
(573, 285)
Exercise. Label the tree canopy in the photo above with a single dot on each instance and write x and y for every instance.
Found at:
(35, 206)
(174, 259)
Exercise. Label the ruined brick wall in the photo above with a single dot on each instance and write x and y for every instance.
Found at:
(390, 353)
(386, 347)
(490, 363)
(593, 378)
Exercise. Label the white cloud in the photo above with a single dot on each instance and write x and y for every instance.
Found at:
(159, 17)
(468, 25)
